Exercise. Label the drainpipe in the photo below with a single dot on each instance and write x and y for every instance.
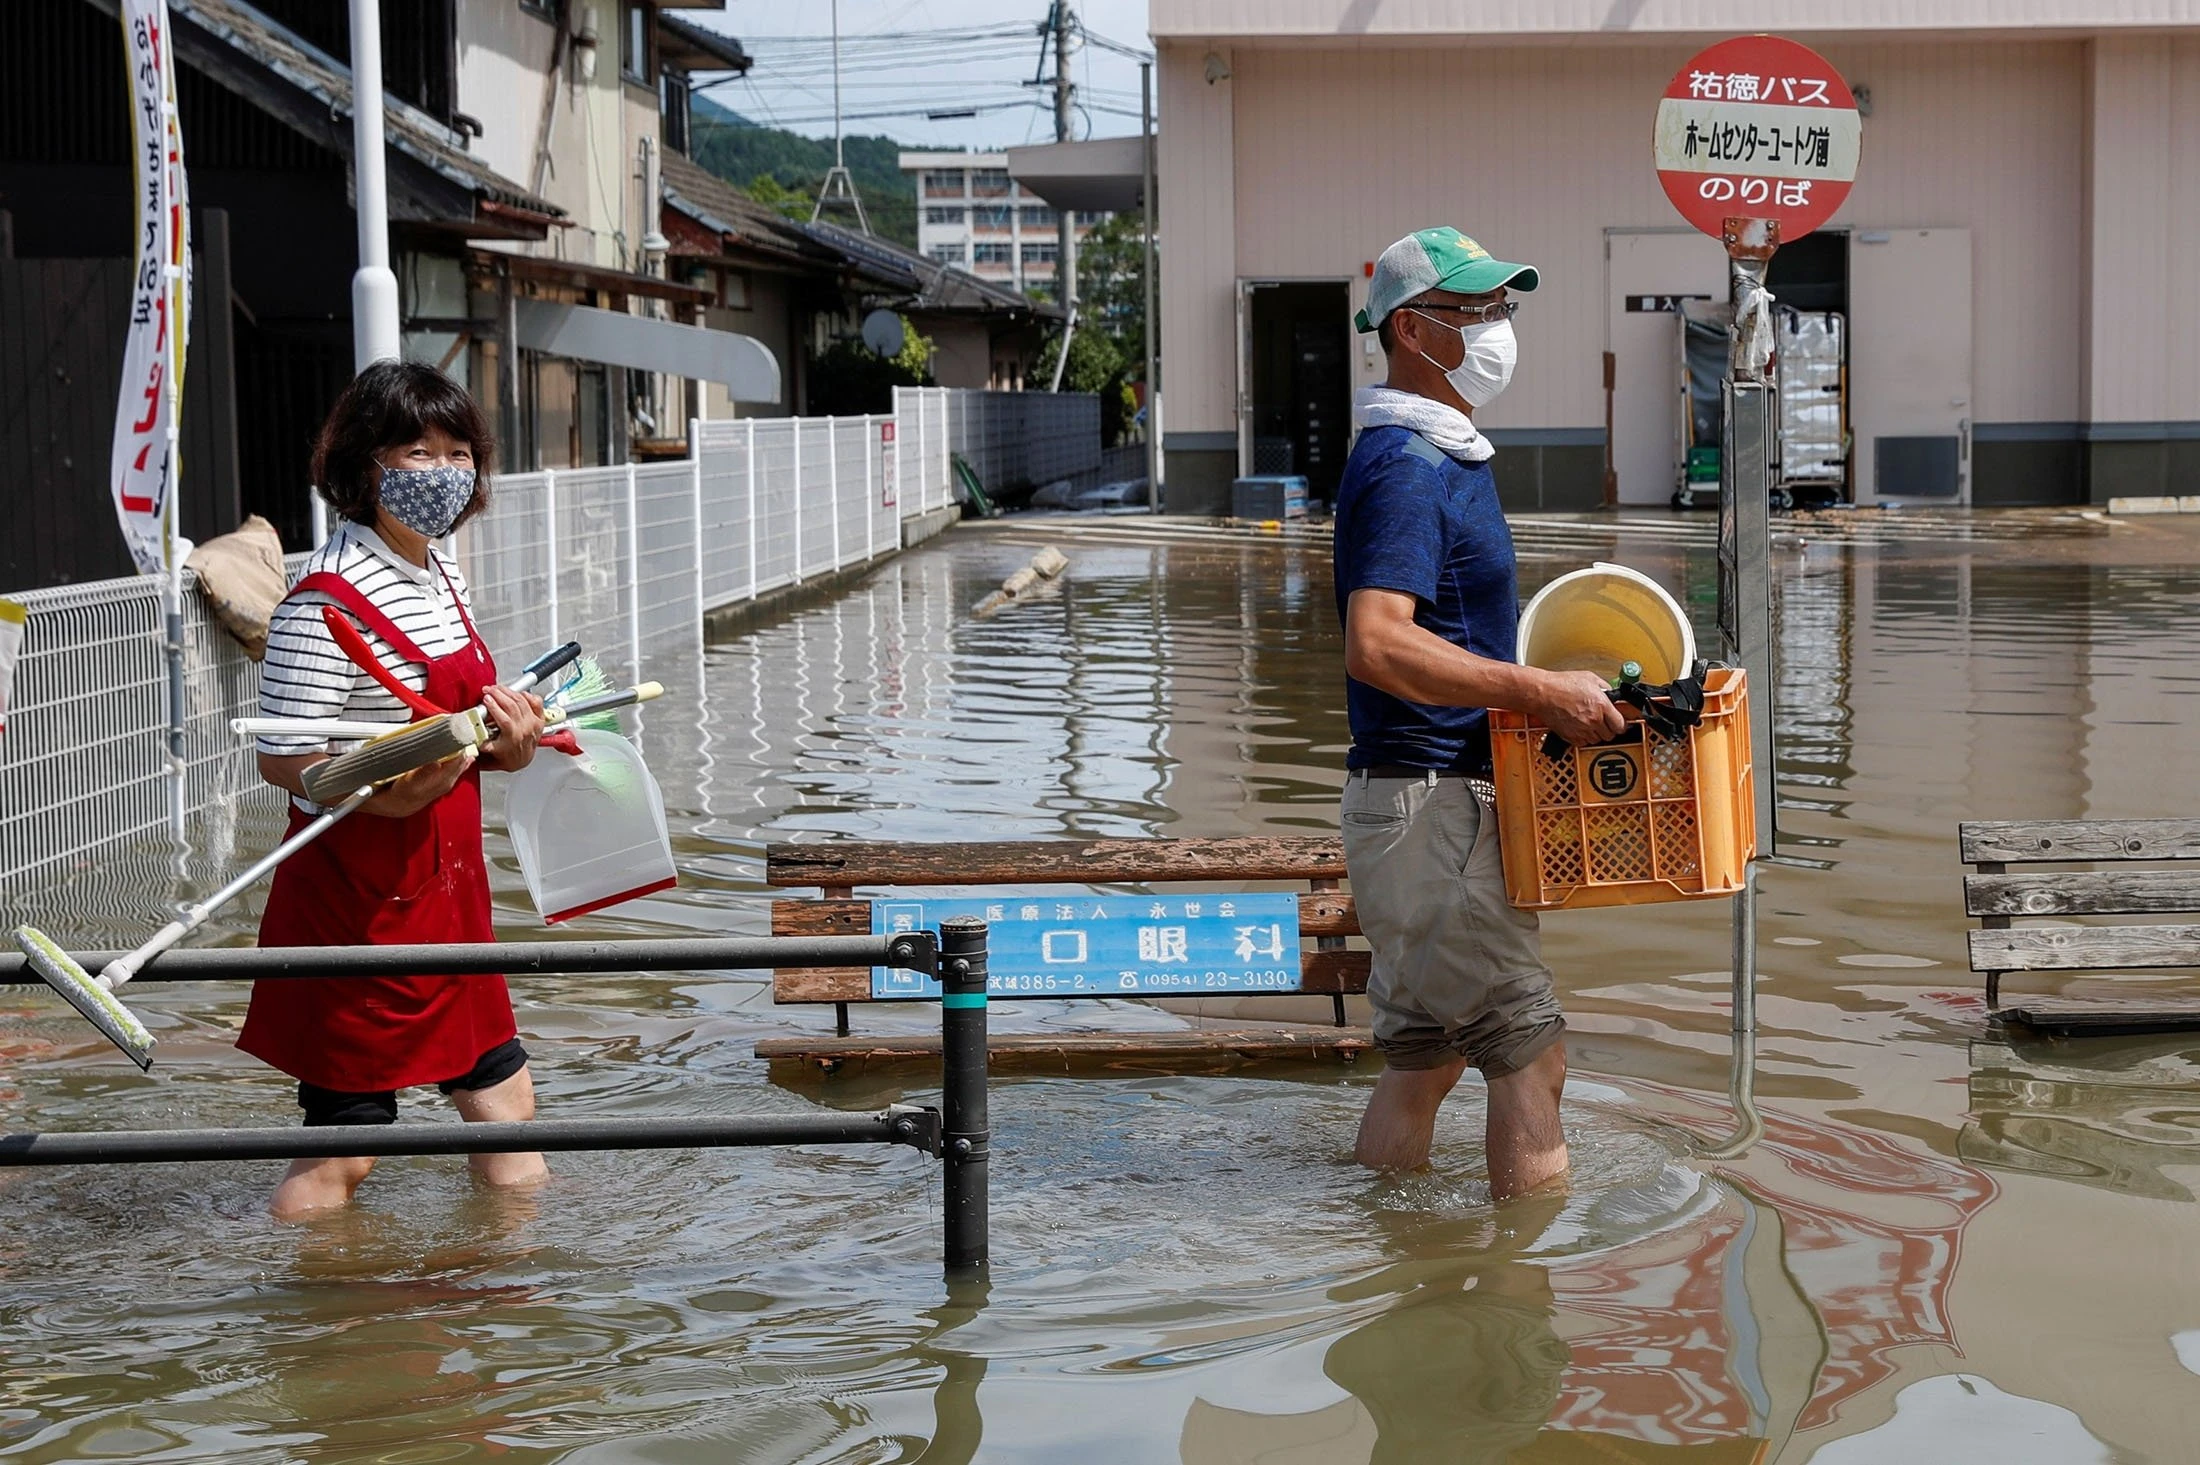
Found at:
(374, 335)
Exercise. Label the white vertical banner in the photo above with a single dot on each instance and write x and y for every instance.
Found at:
(146, 416)
(12, 620)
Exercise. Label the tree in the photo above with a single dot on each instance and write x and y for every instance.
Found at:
(1111, 287)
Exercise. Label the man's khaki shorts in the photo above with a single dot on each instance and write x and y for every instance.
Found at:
(1458, 972)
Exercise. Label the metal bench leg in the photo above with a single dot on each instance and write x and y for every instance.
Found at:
(1993, 992)
(840, 1018)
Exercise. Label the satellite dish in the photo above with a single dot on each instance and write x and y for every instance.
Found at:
(882, 332)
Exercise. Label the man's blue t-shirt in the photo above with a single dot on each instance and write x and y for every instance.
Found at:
(1413, 519)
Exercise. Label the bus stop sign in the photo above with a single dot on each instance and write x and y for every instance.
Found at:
(1757, 127)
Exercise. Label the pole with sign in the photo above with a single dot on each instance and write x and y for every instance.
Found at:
(146, 463)
(1756, 140)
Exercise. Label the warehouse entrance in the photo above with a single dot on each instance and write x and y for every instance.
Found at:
(1666, 325)
(1294, 380)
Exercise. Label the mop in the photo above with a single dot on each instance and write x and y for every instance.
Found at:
(94, 996)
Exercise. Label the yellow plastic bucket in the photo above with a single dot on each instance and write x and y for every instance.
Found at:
(1600, 618)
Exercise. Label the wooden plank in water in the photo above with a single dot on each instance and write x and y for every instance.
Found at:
(2083, 948)
(1072, 1051)
(2078, 841)
(2099, 1018)
(2087, 893)
(1055, 861)
(1321, 913)
(1323, 973)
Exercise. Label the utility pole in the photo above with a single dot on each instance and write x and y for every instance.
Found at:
(1065, 252)
(839, 186)
(1146, 206)
(374, 332)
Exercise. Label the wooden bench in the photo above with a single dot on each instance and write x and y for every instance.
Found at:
(836, 869)
(1998, 897)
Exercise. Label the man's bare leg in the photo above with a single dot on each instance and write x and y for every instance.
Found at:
(1400, 1121)
(508, 1102)
(318, 1185)
(1527, 1148)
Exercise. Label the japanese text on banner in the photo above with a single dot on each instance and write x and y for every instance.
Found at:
(144, 463)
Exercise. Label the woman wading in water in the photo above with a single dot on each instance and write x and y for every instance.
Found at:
(403, 459)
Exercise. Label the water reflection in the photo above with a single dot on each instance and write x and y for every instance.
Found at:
(1186, 1267)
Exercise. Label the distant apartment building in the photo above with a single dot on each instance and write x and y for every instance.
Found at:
(972, 216)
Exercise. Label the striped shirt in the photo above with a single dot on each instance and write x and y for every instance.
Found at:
(306, 674)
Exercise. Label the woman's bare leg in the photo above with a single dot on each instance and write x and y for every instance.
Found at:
(508, 1102)
(318, 1185)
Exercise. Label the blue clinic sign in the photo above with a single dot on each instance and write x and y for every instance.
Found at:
(1111, 945)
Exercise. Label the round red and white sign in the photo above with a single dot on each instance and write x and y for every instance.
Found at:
(1758, 127)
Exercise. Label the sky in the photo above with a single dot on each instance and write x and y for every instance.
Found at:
(910, 57)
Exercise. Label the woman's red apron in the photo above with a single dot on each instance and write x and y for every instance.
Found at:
(371, 880)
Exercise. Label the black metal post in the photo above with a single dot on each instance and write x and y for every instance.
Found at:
(912, 951)
(899, 1124)
(965, 1126)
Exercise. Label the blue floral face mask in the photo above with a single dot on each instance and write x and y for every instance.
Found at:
(427, 500)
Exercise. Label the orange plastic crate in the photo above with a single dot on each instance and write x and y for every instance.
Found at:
(1632, 822)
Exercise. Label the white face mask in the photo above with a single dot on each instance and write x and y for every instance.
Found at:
(1490, 351)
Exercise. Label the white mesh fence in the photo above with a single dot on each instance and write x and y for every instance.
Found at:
(624, 559)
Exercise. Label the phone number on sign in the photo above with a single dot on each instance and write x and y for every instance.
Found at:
(1143, 982)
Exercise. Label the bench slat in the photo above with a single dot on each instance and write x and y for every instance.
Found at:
(1321, 974)
(2083, 948)
(1323, 913)
(2128, 893)
(1055, 861)
(2079, 841)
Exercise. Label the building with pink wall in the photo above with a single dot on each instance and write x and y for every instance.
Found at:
(2012, 266)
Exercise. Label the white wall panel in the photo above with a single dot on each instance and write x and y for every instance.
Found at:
(1536, 151)
(1254, 20)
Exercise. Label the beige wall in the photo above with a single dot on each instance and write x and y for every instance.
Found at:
(2144, 209)
(1227, 19)
(1538, 150)
(1196, 180)
(503, 65)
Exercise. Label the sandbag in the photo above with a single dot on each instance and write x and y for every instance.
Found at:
(241, 576)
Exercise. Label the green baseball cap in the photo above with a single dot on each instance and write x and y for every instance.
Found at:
(1436, 259)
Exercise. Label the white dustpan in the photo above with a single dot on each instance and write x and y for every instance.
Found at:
(590, 831)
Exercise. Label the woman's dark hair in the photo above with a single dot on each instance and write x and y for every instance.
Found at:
(388, 405)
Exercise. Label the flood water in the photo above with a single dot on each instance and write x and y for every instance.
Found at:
(1946, 1246)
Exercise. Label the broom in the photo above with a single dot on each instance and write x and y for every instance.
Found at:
(591, 711)
(395, 753)
(94, 996)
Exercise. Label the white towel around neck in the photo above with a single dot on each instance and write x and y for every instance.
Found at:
(1447, 427)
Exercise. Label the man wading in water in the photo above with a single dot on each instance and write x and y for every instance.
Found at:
(1429, 598)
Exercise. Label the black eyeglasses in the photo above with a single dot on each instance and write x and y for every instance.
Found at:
(1488, 314)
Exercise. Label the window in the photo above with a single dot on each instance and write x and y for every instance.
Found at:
(1039, 254)
(943, 182)
(937, 215)
(634, 41)
(948, 254)
(990, 182)
(1086, 218)
(993, 254)
(1039, 216)
(673, 112)
(990, 216)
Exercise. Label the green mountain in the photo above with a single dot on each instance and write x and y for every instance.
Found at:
(743, 152)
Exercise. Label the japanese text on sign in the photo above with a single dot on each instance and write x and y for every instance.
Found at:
(1772, 141)
(1110, 946)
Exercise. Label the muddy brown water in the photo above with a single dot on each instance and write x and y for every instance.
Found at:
(1946, 1246)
